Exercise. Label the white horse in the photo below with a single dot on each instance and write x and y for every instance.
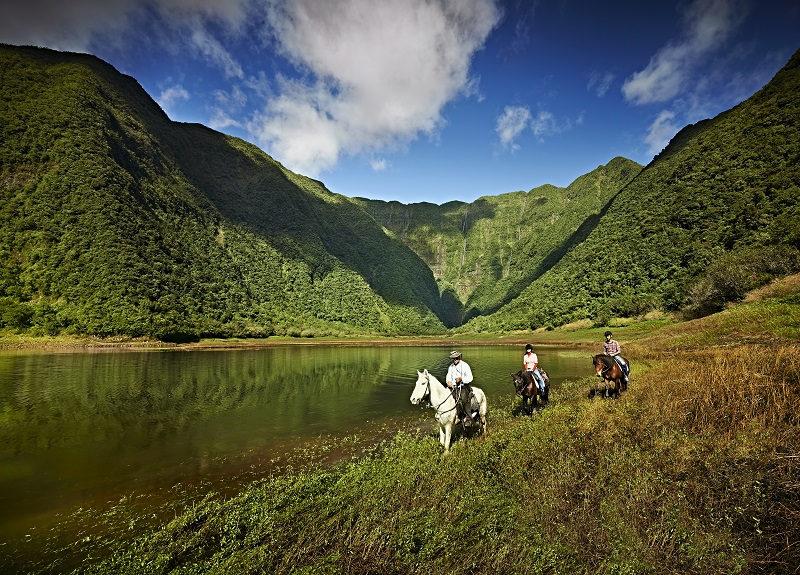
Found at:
(442, 401)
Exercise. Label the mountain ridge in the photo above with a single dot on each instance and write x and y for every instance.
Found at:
(501, 243)
(116, 220)
(720, 204)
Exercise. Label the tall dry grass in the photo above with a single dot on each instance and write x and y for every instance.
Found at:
(730, 388)
(739, 407)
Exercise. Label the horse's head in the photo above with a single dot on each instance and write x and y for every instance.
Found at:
(519, 381)
(600, 362)
(422, 388)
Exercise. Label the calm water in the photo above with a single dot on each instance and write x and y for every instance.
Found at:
(83, 430)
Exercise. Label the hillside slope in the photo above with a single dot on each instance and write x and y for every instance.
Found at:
(116, 220)
(720, 204)
(486, 252)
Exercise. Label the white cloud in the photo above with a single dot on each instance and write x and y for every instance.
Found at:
(545, 124)
(211, 49)
(516, 119)
(221, 120)
(62, 25)
(378, 74)
(707, 25)
(600, 83)
(379, 165)
(170, 96)
(661, 131)
(511, 123)
(78, 25)
(228, 105)
(236, 98)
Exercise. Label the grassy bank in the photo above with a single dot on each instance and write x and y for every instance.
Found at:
(694, 470)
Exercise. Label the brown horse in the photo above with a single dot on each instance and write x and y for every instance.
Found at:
(613, 377)
(526, 387)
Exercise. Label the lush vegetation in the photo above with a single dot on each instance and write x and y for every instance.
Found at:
(693, 470)
(486, 252)
(115, 220)
(714, 215)
(720, 201)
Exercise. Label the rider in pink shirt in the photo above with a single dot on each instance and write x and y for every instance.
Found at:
(530, 362)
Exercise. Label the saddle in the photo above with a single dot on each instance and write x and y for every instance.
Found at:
(610, 360)
(530, 376)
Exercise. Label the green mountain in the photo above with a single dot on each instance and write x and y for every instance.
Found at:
(716, 213)
(116, 220)
(487, 252)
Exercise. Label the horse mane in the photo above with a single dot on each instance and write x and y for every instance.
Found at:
(434, 378)
(607, 360)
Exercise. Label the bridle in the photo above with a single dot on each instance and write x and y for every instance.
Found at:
(428, 395)
(607, 364)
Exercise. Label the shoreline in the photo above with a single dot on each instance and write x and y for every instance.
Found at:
(77, 345)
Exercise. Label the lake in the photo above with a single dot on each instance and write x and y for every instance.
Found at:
(88, 430)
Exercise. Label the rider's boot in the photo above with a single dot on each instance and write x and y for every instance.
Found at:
(466, 405)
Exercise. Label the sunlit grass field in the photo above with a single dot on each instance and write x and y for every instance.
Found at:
(695, 469)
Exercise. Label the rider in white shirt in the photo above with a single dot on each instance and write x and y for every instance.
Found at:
(459, 376)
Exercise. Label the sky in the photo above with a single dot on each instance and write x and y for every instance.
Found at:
(431, 100)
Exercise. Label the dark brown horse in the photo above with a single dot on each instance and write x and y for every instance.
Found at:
(526, 387)
(613, 377)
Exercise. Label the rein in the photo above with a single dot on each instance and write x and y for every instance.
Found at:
(428, 381)
(608, 366)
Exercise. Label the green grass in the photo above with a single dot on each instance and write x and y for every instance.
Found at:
(693, 470)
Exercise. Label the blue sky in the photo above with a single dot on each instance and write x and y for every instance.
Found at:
(431, 100)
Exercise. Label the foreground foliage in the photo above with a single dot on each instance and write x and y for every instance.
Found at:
(693, 470)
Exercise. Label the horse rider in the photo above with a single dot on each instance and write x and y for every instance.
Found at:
(530, 363)
(611, 347)
(459, 376)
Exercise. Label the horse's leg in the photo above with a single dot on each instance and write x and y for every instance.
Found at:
(448, 432)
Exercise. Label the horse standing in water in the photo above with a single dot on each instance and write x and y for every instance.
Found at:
(610, 371)
(525, 384)
(442, 400)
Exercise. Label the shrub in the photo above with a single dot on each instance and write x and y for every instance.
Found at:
(14, 314)
(734, 274)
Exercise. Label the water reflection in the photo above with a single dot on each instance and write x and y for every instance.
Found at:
(75, 427)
